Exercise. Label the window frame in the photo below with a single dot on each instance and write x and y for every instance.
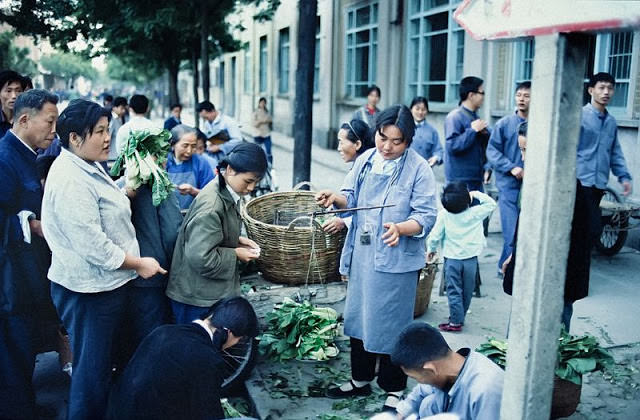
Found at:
(454, 70)
(284, 54)
(350, 85)
(263, 57)
(316, 65)
(247, 72)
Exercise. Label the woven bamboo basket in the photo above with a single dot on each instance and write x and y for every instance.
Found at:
(423, 293)
(286, 246)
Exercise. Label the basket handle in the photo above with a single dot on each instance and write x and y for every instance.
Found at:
(290, 226)
(302, 184)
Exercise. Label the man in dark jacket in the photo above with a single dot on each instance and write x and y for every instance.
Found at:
(23, 281)
(178, 370)
(11, 86)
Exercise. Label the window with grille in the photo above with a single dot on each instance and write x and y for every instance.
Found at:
(361, 51)
(283, 61)
(316, 66)
(435, 54)
(247, 70)
(263, 64)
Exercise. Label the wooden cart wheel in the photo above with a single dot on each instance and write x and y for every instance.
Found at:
(613, 235)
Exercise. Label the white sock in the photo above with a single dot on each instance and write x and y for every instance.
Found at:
(393, 398)
(348, 386)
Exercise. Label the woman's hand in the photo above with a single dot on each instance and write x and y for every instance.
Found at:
(505, 264)
(245, 254)
(333, 225)
(247, 243)
(431, 257)
(392, 236)
(187, 189)
(327, 198)
(148, 267)
(433, 160)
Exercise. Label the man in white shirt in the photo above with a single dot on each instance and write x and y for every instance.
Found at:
(221, 130)
(138, 106)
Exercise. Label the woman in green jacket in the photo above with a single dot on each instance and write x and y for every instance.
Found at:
(204, 268)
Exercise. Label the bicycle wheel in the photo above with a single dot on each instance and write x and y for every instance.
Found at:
(239, 361)
(613, 236)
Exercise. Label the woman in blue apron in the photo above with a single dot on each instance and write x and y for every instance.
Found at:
(384, 250)
(187, 170)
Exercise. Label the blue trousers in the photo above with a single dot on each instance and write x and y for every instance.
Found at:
(461, 281)
(508, 204)
(93, 321)
(17, 361)
(265, 143)
(184, 313)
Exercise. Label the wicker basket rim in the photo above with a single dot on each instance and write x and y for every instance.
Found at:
(245, 215)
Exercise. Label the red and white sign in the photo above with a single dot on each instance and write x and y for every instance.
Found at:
(502, 19)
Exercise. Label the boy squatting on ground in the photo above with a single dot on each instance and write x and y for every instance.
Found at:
(459, 230)
(464, 383)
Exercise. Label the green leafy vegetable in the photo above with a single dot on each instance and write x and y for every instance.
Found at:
(577, 355)
(144, 157)
(299, 331)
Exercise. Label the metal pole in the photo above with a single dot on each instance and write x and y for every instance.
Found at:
(545, 225)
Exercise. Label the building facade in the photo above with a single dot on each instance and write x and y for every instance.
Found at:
(407, 48)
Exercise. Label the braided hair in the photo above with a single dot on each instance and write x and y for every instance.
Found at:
(245, 157)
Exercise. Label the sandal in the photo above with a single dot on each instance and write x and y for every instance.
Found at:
(449, 327)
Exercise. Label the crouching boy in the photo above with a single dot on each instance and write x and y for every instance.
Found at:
(464, 383)
(459, 231)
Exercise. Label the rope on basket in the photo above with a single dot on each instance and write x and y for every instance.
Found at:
(313, 260)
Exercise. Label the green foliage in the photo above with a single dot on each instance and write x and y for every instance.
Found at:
(68, 66)
(299, 331)
(117, 69)
(144, 156)
(577, 355)
(15, 58)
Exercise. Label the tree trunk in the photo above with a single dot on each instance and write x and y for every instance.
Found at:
(172, 73)
(204, 50)
(303, 120)
(196, 82)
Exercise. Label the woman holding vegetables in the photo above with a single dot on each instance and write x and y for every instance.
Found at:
(187, 170)
(205, 261)
(384, 250)
(86, 220)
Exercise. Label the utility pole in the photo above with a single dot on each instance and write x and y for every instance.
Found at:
(204, 48)
(303, 121)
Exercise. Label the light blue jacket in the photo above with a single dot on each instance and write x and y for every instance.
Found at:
(475, 395)
(86, 220)
(503, 151)
(427, 142)
(599, 150)
(414, 196)
(461, 235)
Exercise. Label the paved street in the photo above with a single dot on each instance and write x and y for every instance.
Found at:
(610, 313)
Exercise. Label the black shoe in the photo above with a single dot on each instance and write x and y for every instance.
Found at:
(337, 393)
(389, 409)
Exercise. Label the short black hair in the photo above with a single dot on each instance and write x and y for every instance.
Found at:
(245, 157)
(80, 117)
(139, 104)
(417, 344)
(373, 88)
(235, 314)
(201, 136)
(205, 106)
(522, 128)
(119, 100)
(43, 164)
(27, 83)
(601, 77)
(400, 116)
(523, 85)
(176, 105)
(455, 197)
(359, 130)
(9, 76)
(107, 98)
(468, 85)
(33, 100)
(420, 100)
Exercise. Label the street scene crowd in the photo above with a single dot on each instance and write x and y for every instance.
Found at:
(140, 290)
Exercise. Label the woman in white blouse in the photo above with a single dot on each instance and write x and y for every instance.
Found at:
(86, 221)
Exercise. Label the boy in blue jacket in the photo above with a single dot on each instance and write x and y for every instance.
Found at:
(459, 231)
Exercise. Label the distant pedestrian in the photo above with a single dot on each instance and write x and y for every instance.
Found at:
(369, 111)
(263, 121)
(139, 107)
(107, 101)
(189, 171)
(11, 86)
(505, 157)
(458, 231)
(118, 111)
(201, 149)
(599, 153)
(426, 140)
(174, 119)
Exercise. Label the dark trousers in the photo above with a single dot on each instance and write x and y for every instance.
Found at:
(184, 313)
(93, 321)
(265, 142)
(363, 368)
(17, 361)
